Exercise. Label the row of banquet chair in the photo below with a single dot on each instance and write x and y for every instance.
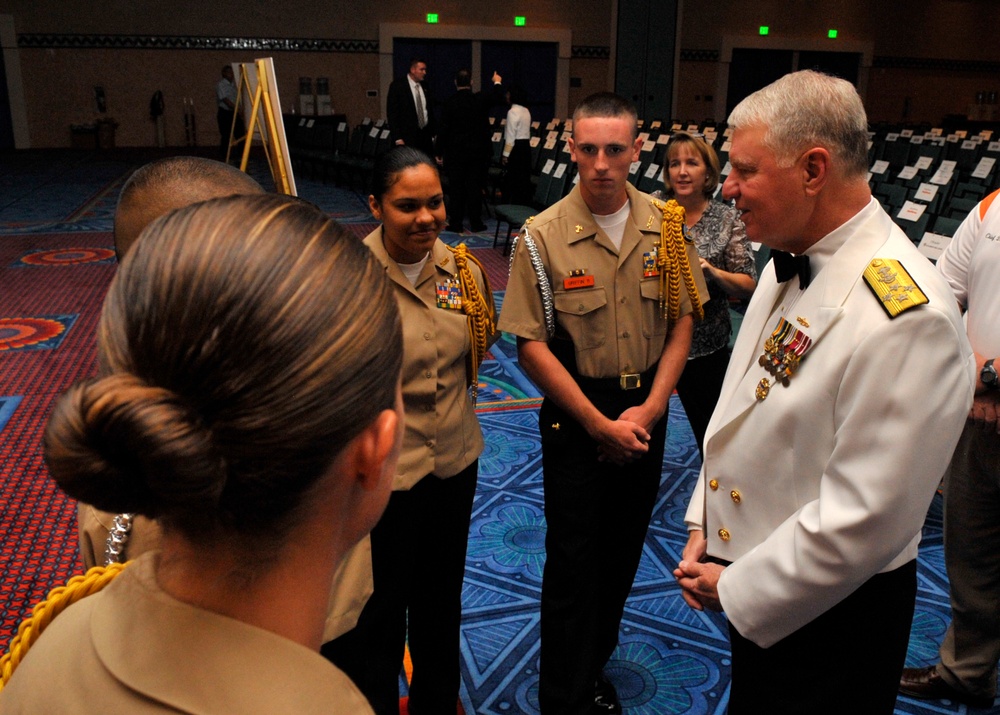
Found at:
(324, 147)
(927, 178)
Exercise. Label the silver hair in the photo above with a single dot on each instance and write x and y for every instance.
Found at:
(808, 109)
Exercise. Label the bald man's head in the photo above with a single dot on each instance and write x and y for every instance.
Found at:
(162, 186)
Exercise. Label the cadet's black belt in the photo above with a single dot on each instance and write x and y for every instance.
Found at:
(625, 381)
(563, 351)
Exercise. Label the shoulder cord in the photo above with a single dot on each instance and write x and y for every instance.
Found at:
(114, 547)
(55, 603)
(671, 252)
(479, 308)
(544, 287)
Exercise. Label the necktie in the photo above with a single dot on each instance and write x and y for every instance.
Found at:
(418, 96)
(786, 266)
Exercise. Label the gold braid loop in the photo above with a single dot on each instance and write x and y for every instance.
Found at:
(479, 308)
(55, 603)
(672, 261)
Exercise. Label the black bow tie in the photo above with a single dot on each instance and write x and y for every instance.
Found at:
(786, 266)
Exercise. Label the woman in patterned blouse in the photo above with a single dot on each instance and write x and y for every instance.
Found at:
(691, 177)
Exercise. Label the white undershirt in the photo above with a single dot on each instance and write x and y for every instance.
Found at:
(614, 224)
(412, 270)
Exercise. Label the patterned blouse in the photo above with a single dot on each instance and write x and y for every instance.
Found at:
(722, 240)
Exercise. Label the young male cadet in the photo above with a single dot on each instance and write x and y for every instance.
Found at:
(603, 328)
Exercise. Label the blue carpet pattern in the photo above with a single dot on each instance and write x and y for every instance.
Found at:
(670, 659)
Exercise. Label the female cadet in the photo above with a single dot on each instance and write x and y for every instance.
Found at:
(419, 545)
(248, 398)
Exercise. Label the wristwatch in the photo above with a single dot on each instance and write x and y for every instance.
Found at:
(988, 375)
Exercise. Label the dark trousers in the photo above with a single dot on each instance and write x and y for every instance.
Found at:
(225, 120)
(517, 188)
(699, 387)
(418, 563)
(466, 178)
(596, 514)
(971, 645)
(848, 660)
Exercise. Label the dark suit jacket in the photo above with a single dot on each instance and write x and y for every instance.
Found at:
(465, 124)
(402, 115)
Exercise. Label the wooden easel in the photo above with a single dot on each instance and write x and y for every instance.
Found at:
(266, 123)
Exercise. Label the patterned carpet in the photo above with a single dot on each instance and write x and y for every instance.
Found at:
(56, 211)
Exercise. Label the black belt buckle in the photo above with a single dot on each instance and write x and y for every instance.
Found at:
(630, 381)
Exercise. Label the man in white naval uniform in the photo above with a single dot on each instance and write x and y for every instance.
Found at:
(847, 391)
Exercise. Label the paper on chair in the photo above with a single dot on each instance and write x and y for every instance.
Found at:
(932, 245)
(911, 211)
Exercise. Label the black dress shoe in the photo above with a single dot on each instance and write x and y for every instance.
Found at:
(605, 697)
(478, 229)
(454, 229)
(926, 683)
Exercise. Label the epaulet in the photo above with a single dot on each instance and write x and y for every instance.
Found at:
(896, 291)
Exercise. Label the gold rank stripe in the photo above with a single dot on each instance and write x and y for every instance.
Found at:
(896, 291)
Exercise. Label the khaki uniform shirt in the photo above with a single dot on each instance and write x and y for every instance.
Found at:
(352, 582)
(442, 434)
(132, 648)
(615, 324)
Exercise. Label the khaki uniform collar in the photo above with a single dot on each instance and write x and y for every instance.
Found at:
(190, 659)
(643, 214)
(441, 260)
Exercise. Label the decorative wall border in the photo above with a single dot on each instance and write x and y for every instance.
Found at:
(184, 42)
(591, 52)
(266, 44)
(924, 63)
(276, 44)
(699, 55)
(909, 63)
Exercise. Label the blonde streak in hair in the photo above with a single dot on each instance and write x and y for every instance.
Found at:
(175, 283)
(262, 225)
(344, 337)
(297, 288)
(112, 345)
(196, 259)
(301, 280)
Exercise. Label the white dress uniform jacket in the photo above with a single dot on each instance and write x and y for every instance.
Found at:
(826, 481)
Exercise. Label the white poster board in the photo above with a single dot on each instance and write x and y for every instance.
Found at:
(267, 122)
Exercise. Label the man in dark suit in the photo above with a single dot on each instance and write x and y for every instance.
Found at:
(408, 109)
(463, 145)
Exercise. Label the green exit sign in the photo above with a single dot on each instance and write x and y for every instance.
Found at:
(432, 18)
(519, 21)
(832, 34)
(764, 29)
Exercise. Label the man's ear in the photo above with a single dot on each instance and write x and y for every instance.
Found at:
(815, 169)
(373, 448)
(636, 148)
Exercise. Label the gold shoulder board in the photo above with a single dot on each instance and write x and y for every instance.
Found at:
(896, 291)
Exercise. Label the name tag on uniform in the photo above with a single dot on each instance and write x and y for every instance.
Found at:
(449, 294)
(578, 282)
